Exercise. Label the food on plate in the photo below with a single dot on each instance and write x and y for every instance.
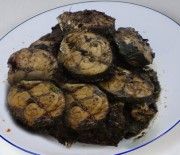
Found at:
(31, 64)
(86, 55)
(87, 19)
(129, 86)
(84, 81)
(135, 50)
(138, 118)
(37, 104)
(86, 105)
(49, 42)
(109, 132)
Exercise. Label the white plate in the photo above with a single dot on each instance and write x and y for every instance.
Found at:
(164, 37)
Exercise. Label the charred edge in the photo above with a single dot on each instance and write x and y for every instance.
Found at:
(133, 127)
(69, 76)
(131, 55)
(62, 133)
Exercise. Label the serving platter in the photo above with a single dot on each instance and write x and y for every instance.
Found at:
(164, 37)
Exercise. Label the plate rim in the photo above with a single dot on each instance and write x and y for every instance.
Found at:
(91, 1)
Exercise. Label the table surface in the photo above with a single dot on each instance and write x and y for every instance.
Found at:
(13, 12)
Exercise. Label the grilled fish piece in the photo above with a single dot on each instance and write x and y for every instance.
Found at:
(86, 105)
(49, 42)
(134, 49)
(37, 104)
(129, 86)
(31, 64)
(86, 55)
(87, 19)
